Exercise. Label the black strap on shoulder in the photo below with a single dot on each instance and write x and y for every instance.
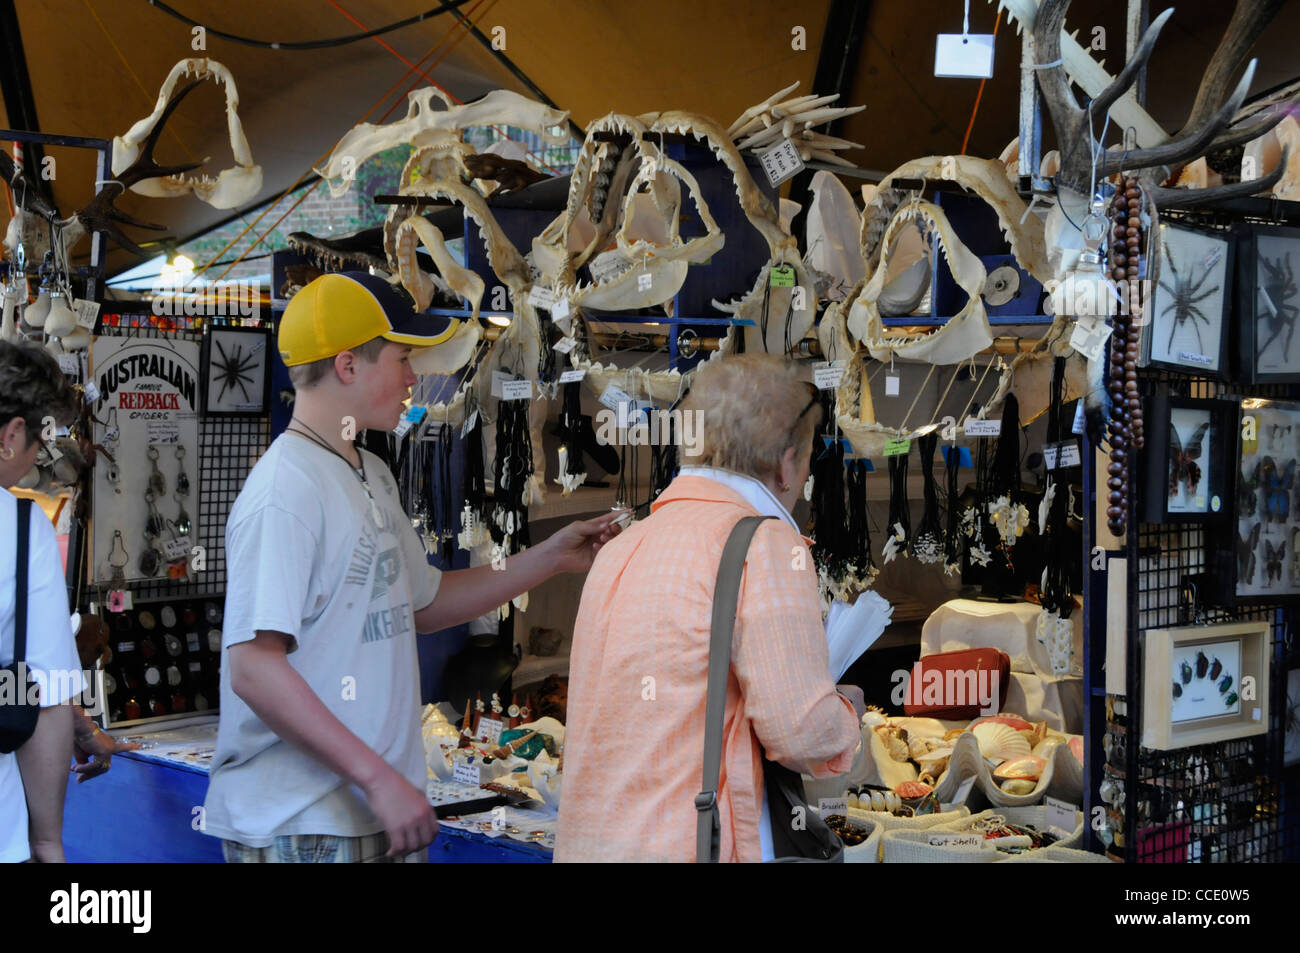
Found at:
(726, 595)
(20, 583)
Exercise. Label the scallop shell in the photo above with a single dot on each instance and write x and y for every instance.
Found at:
(1000, 742)
(1027, 768)
(1076, 747)
(910, 790)
(1012, 721)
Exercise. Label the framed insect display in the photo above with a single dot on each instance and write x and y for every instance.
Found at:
(1204, 684)
(1291, 719)
(1188, 462)
(1268, 280)
(236, 371)
(1260, 562)
(1190, 302)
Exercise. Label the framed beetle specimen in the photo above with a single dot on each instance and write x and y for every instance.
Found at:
(1269, 304)
(1188, 464)
(1190, 302)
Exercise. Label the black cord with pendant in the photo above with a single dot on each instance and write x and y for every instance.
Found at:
(1056, 595)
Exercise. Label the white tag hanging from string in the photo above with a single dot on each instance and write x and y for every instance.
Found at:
(966, 55)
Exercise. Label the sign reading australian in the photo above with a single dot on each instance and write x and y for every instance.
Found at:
(146, 364)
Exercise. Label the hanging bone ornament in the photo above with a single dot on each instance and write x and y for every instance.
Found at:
(424, 126)
(233, 186)
(767, 123)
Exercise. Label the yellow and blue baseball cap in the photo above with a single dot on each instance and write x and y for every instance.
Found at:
(341, 311)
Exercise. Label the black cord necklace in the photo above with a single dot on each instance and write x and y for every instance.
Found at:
(359, 472)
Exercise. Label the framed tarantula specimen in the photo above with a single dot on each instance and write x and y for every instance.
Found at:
(1189, 461)
(1190, 302)
(236, 371)
(1269, 280)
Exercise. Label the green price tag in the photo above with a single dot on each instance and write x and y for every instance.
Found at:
(781, 277)
(897, 447)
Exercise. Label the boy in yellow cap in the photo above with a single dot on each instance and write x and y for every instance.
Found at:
(319, 755)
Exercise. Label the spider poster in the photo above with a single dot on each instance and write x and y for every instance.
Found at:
(1189, 302)
(236, 372)
(1267, 541)
(1271, 308)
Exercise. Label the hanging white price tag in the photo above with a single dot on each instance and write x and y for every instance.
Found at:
(891, 385)
(517, 390)
(92, 392)
(87, 313)
(1089, 336)
(1079, 419)
(565, 345)
(965, 55)
(781, 162)
(569, 377)
(827, 375)
(614, 397)
(982, 428)
(540, 296)
(644, 281)
(69, 364)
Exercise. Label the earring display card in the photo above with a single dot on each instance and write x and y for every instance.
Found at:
(1189, 304)
(1188, 461)
(1265, 559)
(1269, 306)
(147, 421)
(164, 661)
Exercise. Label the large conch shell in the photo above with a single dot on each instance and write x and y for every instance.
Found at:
(1000, 743)
(233, 186)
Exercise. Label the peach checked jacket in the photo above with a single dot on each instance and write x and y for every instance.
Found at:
(634, 743)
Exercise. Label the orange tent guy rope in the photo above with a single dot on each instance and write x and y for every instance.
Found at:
(979, 93)
(266, 211)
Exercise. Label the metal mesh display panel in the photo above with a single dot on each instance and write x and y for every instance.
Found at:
(1214, 803)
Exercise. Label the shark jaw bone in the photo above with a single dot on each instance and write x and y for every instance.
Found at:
(233, 186)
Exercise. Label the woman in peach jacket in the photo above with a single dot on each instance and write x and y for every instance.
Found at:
(634, 744)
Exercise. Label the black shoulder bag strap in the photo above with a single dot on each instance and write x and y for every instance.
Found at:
(726, 595)
(20, 584)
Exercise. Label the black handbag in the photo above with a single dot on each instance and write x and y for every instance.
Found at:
(17, 714)
(798, 831)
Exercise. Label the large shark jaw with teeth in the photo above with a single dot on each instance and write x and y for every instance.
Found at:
(962, 336)
(233, 186)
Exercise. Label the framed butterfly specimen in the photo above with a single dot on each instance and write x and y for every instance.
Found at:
(1188, 461)
(1259, 563)
(1268, 295)
(1190, 302)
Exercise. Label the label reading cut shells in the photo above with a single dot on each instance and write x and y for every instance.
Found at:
(982, 428)
(962, 842)
(828, 374)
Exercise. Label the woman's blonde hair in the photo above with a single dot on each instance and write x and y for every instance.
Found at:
(750, 408)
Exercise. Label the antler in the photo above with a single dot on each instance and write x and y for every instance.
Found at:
(102, 215)
(1204, 129)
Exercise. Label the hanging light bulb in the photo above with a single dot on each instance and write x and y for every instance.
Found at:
(37, 311)
(60, 319)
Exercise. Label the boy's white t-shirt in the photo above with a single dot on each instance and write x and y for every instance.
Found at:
(51, 649)
(304, 556)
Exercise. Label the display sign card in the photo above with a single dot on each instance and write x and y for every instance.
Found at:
(833, 805)
(781, 162)
(463, 773)
(177, 548)
(828, 374)
(565, 345)
(983, 428)
(69, 364)
(540, 296)
(489, 729)
(1089, 336)
(608, 265)
(953, 841)
(569, 377)
(782, 276)
(644, 281)
(517, 390)
(1060, 816)
(87, 313)
(614, 397)
(964, 55)
(1079, 419)
(1061, 456)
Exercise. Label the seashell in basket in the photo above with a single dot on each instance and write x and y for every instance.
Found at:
(1000, 742)
(895, 741)
(1076, 747)
(911, 790)
(1027, 768)
(1019, 786)
(873, 717)
(1044, 748)
(935, 761)
(1011, 721)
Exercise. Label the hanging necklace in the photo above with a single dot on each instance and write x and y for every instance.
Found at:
(359, 472)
